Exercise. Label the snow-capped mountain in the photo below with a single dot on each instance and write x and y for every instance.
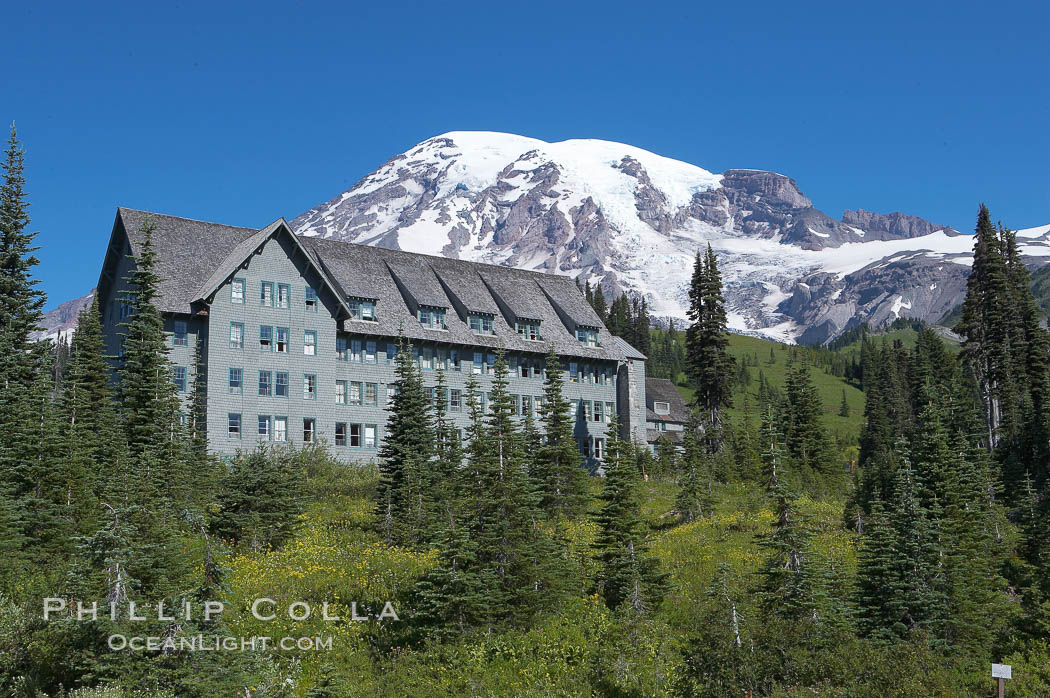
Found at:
(58, 324)
(610, 212)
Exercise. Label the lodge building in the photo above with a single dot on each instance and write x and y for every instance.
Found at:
(297, 335)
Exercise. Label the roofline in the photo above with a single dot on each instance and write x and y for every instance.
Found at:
(267, 233)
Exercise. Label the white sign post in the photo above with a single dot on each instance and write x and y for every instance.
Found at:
(1001, 672)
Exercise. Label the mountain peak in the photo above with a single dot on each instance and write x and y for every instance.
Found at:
(633, 220)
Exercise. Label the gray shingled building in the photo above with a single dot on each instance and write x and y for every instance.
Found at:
(298, 334)
(665, 412)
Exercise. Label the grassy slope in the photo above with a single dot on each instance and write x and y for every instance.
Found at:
(829, 386)
(336, 557)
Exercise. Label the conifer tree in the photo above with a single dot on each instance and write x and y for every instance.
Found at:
(556, 467)
(710, 366)
(844, 407)
(628, 574)
(806, 438)
(694, 500)
(599, 303)
(789, 583)
(90, 439)
(21, 303)
(404, 457)
(150, 408)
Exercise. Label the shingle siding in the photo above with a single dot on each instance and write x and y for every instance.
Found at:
(363, 272)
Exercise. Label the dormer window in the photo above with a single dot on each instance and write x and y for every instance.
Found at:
(529, 329)
(361, 309)
(587, 337)
(480, 324)
(432, 317)
(662, 407)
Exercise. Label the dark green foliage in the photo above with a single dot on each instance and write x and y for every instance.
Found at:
(556, 468)
(627, 574)
(404, 458)
(710, 367)
(694, 499)
(260, 499)
(807, 440)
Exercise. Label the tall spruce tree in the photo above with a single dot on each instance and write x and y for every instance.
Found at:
(557, 467)
(711, 368)
(403, 498)
(627, 574)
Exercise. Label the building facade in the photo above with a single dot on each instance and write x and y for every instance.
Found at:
(666, 413)
(297, 336)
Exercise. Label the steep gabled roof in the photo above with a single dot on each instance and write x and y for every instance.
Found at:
(188, 252)
(663, 390)
(247, 247)
(195, 258)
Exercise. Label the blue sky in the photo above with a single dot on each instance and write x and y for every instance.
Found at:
(240, 113)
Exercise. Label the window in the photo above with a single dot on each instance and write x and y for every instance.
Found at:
(480, 324)
(587, 337)
(585, 446)
(179, 338)
(236, 335)
(284, 294)
(310, 342)
(266, 383)
(455, 401)
(599, 413)
(309, 386)
(265, 338)
(453, 359)
(490, 363)
(264, 427)
(266, 294)
(610, 412)
(391, 392)
(340, 392)
(233, 425)
(585, 407)
(529, 329)
(237, 291)
(280, 429)
(440, 358)
(432, 317)
(483, 399)
(599, 448)
(526, 405)
(355, 393)
(282, 340)
(309, 427)
(523, 367)
(236, 381)
(340, 433)
(370, 352)
(661, 426)
(574, 372)
(178, 376)
(391, 352)
(280, 386)
(515, 405)
(362, 309)
(340, 348)
(661, 407)
(372, 394)
(426, 358)
(355, 350)
(355, 435)
(310, 298)
(370, 435)
(479, 363)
